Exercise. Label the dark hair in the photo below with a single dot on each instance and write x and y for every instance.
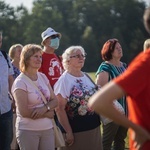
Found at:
(108, 49)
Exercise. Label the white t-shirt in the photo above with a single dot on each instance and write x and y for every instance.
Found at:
(34, 101)
(67, 81)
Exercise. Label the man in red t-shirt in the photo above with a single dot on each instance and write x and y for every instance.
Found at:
(135, 83)
(51, 63)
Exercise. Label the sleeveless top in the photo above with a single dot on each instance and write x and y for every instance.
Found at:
(113, 72)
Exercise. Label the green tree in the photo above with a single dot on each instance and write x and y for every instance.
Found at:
(88, 23)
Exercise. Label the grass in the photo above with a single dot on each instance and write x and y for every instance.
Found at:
(92, 75)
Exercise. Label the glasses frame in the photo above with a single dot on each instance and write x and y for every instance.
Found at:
(79, 56)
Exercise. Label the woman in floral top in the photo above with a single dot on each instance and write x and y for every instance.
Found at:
(14, 54)
(73, 90)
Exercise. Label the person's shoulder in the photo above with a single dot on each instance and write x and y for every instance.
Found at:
(42, 75)
(143, 56)
(105, 66)
(142, 60)
(20, 79)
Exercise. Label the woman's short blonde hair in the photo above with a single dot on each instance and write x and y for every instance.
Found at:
(68, 52)
(13, 49)
(28, 51)
(146, 44)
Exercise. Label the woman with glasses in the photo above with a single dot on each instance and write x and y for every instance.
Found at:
(73, 90)
(110, 68)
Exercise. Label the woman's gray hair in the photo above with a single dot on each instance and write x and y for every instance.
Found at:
(68, 52)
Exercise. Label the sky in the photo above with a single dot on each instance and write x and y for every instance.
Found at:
(14, 3)
(28, 3)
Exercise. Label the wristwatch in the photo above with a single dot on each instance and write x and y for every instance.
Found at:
(48, 107)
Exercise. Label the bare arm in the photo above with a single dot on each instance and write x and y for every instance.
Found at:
(63, 119)
(43, 111)
(102, 78)
(104, 99)
(21, 100)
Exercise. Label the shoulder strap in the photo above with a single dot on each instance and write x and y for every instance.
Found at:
(30, 81)
(96, 86)
(5, 56)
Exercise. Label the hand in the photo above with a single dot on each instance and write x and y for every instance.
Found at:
(38, 112)
(49, 114)
(69, 139)
(140, 136)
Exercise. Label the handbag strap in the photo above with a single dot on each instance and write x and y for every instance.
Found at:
(96, 86)
(30, 81)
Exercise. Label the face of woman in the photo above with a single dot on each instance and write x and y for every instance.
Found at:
(35, 60)
(117, 51)
(77, 59)
(18, 52)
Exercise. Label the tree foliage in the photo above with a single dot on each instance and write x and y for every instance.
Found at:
(88, 23)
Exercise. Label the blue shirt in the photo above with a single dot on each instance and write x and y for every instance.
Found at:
(5, 71)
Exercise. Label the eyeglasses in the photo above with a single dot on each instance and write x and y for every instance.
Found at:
(54, 36)
(79, 56)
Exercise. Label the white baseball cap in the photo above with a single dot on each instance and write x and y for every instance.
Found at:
(49, 32)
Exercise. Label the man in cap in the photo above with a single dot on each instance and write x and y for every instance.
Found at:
(135, 83)
(51, 63)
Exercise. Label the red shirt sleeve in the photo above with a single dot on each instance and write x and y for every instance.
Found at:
(135, 78)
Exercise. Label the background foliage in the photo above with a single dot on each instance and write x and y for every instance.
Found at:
(88, 23)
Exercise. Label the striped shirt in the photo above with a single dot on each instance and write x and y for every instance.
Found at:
(113, 72)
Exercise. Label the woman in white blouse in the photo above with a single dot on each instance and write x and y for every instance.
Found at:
(73, 89)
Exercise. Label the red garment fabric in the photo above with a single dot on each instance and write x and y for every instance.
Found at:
(51, 67)
(135, 81)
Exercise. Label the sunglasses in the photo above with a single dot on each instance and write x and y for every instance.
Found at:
(79, 56)
(54, 36)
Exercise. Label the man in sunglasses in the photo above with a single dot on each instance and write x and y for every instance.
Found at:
(51, 63)
(135, 83)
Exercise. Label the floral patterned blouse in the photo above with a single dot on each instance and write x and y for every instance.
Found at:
(77, 91)
(16, 72)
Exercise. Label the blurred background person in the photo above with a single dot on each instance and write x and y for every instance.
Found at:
(146, 45)
(14, 54)
(73, 89)
(34, 128)
(6, 114)
(110, 68)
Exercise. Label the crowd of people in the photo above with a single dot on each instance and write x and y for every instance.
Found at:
(76, 102)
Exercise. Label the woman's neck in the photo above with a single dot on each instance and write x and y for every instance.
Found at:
(76, 73)
(32, 74)
(115, 62)
(15, 62)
